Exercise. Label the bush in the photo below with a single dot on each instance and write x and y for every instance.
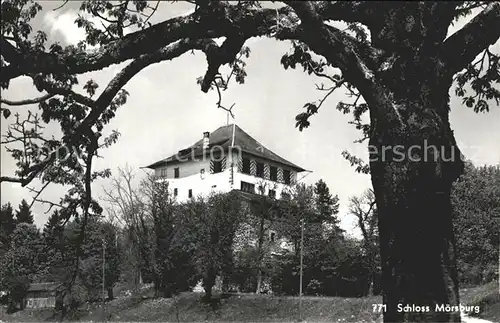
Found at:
(314, 287)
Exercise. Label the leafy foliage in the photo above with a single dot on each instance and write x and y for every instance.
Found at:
(7, 226)
(173, 271)
(215, 220)
(481, 78)
(100, 235)
(476, 203)
(338, 269)
(116, 18)
(20, 265)
(333, 264)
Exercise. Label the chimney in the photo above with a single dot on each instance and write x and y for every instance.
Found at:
(206, 139)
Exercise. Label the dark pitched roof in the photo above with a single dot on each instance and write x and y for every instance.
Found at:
(222, 137)
(42, 287)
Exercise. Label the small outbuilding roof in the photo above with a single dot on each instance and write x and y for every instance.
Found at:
(39, 287)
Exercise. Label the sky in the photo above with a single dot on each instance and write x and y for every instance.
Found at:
(167, 111)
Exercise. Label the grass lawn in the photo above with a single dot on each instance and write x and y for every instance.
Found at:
(188, 307)
(487, 297)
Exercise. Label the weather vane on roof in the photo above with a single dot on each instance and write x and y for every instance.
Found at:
(229, 113)
(221, 84)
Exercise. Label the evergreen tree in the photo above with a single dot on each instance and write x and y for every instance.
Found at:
(327, 206)
(54, 224)
(20, 266)
(24, 215)
(7, 226)
(53, 241)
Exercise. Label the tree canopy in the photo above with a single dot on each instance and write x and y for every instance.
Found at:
(23, 215)
(395, 59)
(380, 37)
(476, 206)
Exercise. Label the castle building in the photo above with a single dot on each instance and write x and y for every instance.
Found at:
(224, 160)
(229, 159)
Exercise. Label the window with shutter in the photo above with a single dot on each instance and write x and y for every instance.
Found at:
(286, 176)
(273, 173)
(259, 170)
(246, 166)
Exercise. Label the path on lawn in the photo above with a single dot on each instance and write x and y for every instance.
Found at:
(469, 319)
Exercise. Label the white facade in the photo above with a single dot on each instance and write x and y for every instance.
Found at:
(224, 160)
(195, 178)
(199, 186)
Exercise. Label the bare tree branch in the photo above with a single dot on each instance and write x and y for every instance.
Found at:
(42, 84)
(219, 102)
(167, 53)
(11, 179)
(28, 101)
(38, 192)
(217, 56)
(64, 3)
(356, 60)
(221, 23)
(99, 106)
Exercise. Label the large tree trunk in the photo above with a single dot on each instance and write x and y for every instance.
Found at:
(259, 281)
(260, 252)
(412, 190)
(417, 247)
(209, 282)
(111, 295)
